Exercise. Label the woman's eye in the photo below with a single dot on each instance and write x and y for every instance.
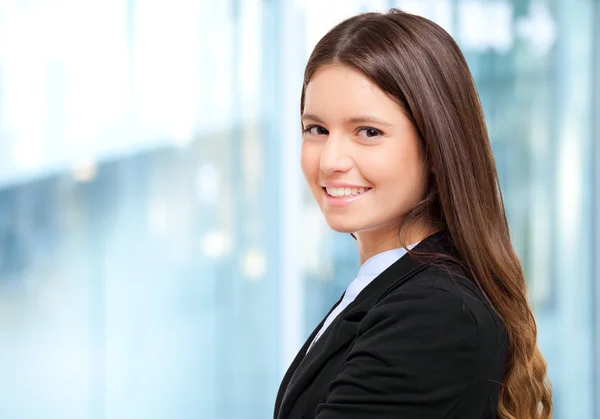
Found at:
(316, 130)
(369, 132)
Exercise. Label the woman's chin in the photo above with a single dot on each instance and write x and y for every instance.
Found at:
(341, 227)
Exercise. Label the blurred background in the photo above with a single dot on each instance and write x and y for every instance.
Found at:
(160, 254)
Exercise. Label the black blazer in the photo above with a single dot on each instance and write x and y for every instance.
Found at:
(417, 342)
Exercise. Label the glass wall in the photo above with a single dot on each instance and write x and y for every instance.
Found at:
(160, 255)
(138, 218)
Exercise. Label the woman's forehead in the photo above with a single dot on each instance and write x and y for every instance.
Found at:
(341, 92)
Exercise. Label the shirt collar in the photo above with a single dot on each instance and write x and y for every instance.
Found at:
(378, 263)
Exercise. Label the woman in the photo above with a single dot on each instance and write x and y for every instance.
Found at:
(396, 152)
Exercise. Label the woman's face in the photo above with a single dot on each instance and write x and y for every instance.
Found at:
(360, 153)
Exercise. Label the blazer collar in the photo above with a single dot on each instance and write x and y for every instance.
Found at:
(342, 331)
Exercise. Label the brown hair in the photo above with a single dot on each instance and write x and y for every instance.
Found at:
(419, 65)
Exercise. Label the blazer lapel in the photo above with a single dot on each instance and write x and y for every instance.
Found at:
(284, 387)
(342, 331)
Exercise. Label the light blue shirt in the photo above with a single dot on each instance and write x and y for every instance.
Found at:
(369, 270)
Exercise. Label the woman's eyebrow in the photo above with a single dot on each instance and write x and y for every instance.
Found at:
(312, 118)
(354, 120)
(368, 119)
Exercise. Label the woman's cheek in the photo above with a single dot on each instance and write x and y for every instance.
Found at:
(309, 161)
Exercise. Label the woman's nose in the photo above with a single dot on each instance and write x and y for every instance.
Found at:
(335, 156)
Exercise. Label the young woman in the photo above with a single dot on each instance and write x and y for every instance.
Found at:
(396, 152)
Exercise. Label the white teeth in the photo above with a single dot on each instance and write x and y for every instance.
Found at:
(339, 192)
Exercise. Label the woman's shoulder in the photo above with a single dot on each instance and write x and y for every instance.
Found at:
(437, 315)
(460, 286)
(448, 297)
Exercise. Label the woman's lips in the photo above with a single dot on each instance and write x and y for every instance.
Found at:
(339, 201)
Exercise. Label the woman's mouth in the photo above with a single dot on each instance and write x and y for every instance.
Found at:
(345, 192)
(338, 197)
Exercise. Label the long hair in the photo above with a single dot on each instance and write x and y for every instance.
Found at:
(419, 65)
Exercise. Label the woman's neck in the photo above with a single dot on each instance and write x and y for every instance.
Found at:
(373, 242)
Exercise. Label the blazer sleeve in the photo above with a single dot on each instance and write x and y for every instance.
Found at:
(414, 358)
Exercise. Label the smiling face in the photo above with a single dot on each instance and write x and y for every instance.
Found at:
(361, 154)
